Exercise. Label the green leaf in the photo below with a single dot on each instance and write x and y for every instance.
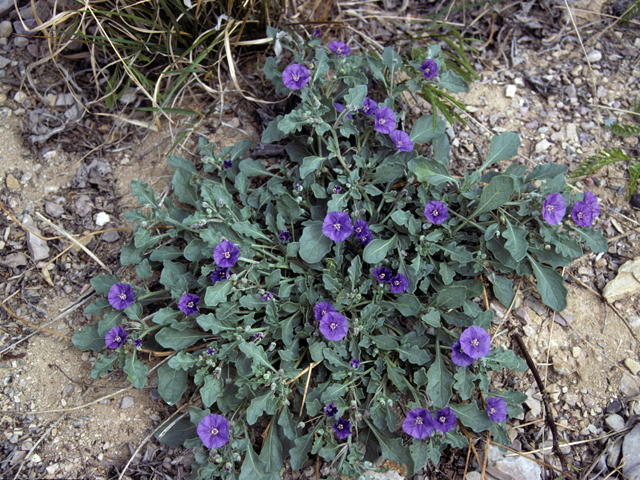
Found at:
(257, 353)
(168, 252)
(455, 295)
(300, 452)
(546, 171)
(103, 283)
(109, 320)
(414, 354)
(271, 454)
(440, 380)
(143, 270)
(407, 304)
(257, 406)
(516, 243)
(184, 189)
(250, 230)
(172, 383)
(502, 147)
(356, 96)
(252, 168)
(471, 417)
(173, 339)
(377, 250)
(452, 82)
(465, 379)
(88, 339)
(96, 307)
(136, 371)
(166, 316)
(393, 448)
(310, 165)
(430, 171)
(496, 194)
(550, 285)
(500, 357)
(146, 196)
(314, 245)
(252, 466)
(182, 360)
(355, 272)
(288, 207)
(211, 390)
(103, 365)
(423, 130)
(217, 294)
(422, 451)
(592, 238)
(175, 436)
(503, 290)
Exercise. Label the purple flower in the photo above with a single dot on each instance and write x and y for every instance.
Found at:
(385, 120)
(365, 237)
(226, 254)
(553, 209)
(213, 430)
(339, 48)
(429, 69)
(227, 164)
(258, 336)
(334, 326)
(369, 107)
(419, 423)
(475, 342)
(445, 420)
(497, 409)
(219, 275)
(115, 337)
(295, 76)
(211, 351)
(336, 189)
(355, 363)
(339, 108)
(591, 200)
(137, 342)
(337, 226)
(362, 232)
(399, 283)
(330, 410)
(459, 357)
(321, 309)
(284, 236)
(383, 274)
(316, 32)
(436, 212)
(401, 140)
(120, 296)
(342, 428)
(582, 214)
(267, 296)
(188, 303)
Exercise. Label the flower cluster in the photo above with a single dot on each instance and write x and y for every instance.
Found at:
(420, 424)
(333, 325)
(337, 226)
(584, 212)
(473, 343)
(397, 282)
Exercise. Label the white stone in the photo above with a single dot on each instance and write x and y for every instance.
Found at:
(511, 91)
(127, 402)
(594, 56)
(390, 475)
(632, 365)
(543, 145)
(626, 283)
(38, 248)
(631, 454)
(615, 422)
(20, 97)
(102, 219)
(512, 467)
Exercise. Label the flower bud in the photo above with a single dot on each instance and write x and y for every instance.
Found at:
(218, 459)
(228, 467)
(300, 425)
(272, 346)
(236, 457)
(389, 403)
(274, 386)
(356, 330)
(354, 405)
(383, 402)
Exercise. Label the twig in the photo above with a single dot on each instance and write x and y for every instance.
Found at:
(486, 456)
(545, 399)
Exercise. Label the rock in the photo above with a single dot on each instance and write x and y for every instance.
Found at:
(53, 209)
(4, 61)
(102, 219)
(21, 42)
(5, 7)
(110, 237)
(499, 311)
(127, 402)
(626, 283)
(632, 365)
(154, 394)
(634, 321)
(613, 453)
(594, 56)
(631, 454)
(628, 386)
(522, 315)
(614, 407)
(543, 145)
(25, 27)
(575, 352)
(571, 399)
(390, 475)
(511, 91)
(38, 248)
(12, 183)
(561, 367)
(512, 467)
(534, 405)
(83, 205)
(535, 305)
(14, 260)
(615, 422)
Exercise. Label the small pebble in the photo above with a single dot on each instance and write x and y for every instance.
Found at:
(127, 402)
(615, 422)
(632, 365)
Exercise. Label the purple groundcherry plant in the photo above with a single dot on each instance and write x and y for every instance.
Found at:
(295, 76)
(334, 326)
(419, 423)
(120, 296)
(337, 226)
(213, 430)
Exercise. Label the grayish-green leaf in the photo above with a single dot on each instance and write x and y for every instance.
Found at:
(407, 304)
(252, 168)
(258, 405)
(88, 339)
(310, 165)
(502, 147)
(377, 250)
(256, 352)
(300, 452)
(516, 241)
(211, 390)
(503, 290)
(103, 365)
(172, 383)
(440, 380)
(271, 454)
(173, 339)
(592, 238)
(472, 417)
(430, 171)
(217, 293)
(496, 194)
(423, 131)
(252, 467)
(550, 285)
(453, 82)
(314, 245)
(136, 371)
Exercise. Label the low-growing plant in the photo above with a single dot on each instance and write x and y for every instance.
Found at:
(329, 304)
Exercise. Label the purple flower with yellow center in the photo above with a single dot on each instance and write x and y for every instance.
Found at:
(334, 326)
(137, 342)
(383, 274)
(365, 237)
(219, 275)
(399, 283)
(401, 140)
(340, 108)
(369, 107)
(284, 236)
(497, 409)
(120, 296)
(553, 209)
(226, 254)
(188, 303)
(339, 48)
(445, 420)
(591, 200)
(295, 76)
(385, 120)
(267, 296)
(227, 164)
(429, 69)
(436, 212)
(336, 189)
(582, 214)
(115, 337)
(330, 410)
(355, 363)
(321, 309)
(211, 351)
(213, 430)
(419, 423)
(258, 336)
(342, 428)
(316, 32)
(360, 226)
(337, 226)
(459, 357)
(475, 341)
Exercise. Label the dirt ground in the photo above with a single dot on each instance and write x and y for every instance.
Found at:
(59, 423)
